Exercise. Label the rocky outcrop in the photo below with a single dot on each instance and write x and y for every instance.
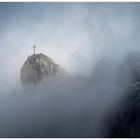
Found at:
(126, 121)
(37, 67)
(130, 68)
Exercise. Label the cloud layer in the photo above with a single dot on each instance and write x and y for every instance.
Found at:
(77, 36)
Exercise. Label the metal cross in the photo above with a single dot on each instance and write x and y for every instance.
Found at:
(34, 47)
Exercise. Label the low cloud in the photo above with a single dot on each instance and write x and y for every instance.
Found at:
(79, 37)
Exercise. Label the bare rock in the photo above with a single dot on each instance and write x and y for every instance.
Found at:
(37, 67)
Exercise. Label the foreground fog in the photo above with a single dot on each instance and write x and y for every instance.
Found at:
(90, 41)
(72, 107)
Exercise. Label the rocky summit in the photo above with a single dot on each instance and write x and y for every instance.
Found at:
(37, 67)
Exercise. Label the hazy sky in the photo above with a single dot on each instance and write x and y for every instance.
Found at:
(74, 35)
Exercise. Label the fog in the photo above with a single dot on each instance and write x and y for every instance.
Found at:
(90, 41)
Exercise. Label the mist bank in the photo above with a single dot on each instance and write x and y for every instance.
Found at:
(77, 106)
(91, 42)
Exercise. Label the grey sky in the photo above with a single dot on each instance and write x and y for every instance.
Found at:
(74, 35)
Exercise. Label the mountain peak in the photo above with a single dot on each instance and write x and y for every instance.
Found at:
(37, 67)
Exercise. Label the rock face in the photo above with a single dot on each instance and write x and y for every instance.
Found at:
(37, 67)
(130, 69)
(126, 122)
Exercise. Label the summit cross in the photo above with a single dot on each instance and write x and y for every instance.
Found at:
(34, 47)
